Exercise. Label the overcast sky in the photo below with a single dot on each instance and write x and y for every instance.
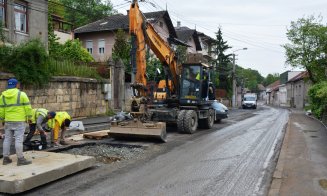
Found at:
(259, 25)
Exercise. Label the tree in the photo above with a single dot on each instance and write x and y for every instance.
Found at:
(2, 33)
(248, 78)
(308, 47)
(122, 49)
(81, 12)
(271, 78)
(181, 53)
(222, 63)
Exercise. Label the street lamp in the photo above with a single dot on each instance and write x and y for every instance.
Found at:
(234, 78)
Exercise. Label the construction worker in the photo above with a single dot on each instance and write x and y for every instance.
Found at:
(60, 121)
(15, 110)
(40, 117)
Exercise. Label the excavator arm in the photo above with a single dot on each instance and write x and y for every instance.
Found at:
(143, 33)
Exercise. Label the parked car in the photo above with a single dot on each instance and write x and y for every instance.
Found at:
(221, 110)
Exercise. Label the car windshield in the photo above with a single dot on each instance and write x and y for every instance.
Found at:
(249, 98)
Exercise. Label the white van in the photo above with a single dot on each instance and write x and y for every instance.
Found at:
(249, 101)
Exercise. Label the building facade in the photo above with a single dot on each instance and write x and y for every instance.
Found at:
(24, 20)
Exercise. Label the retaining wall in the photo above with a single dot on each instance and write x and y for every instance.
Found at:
(80, 97)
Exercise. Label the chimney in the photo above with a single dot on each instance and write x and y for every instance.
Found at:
(178, 24)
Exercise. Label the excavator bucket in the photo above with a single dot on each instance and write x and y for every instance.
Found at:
(137, 129)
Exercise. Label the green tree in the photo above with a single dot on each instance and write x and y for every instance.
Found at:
(54, 46)
(308, 47)
(152, 64)
(181, 53)
(248, 78)
(271, 78)
(122, 49)
(2, 33)
(223, 67)
(82, 12)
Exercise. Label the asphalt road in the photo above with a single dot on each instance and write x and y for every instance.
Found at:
(236, 157)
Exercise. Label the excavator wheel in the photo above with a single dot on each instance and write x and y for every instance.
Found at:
(190, 121)
(208, 122)
(180, 121)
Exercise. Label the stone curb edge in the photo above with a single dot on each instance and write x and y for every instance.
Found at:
(278, 173)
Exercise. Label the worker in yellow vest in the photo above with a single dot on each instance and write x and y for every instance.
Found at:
(15, 110)
(40, 117)
(60, 121)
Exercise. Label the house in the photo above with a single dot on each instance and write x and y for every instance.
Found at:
(297, 90)
(189, 37)
(62, 29)
(261, 92)
(24, 19)
(272, 93)
(99, 37)
(206, 46)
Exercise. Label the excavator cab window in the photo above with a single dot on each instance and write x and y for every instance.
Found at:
(191, 82)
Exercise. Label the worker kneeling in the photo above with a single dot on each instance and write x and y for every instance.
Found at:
(61, 121)
(40, 117)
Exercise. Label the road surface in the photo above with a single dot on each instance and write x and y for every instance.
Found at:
(236, 159)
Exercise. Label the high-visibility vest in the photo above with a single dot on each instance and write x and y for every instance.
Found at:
(15, 106)
(197, 76)
(60, 118)
(37, 112)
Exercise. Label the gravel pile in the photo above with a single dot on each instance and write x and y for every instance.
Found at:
(106, 153)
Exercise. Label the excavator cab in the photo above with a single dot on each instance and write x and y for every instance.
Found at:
(194, 84)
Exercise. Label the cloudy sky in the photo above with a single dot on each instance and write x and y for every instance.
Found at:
(259, 25)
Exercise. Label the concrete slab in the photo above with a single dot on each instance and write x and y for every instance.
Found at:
(45, 167)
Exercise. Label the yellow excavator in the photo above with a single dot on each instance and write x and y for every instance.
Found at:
(183, 94)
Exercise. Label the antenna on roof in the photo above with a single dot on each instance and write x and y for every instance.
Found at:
(166, 7)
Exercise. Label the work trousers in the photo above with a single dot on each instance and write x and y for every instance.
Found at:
(32, 132)
(14, 129)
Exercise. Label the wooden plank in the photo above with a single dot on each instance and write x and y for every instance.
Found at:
(96, 135)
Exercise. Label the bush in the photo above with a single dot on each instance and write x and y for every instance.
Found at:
(28, 62)
(72, 50)
(5, 52)
(318, 98)
(103, 71)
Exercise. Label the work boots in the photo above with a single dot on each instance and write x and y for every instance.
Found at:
(23, 161)
(6, 161)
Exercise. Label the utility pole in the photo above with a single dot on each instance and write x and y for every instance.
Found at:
(234, 78)
(234, 83)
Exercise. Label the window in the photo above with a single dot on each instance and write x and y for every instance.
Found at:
(20, 17)
(3, 12)
(160, 24)
(89, 46)
(101, 45)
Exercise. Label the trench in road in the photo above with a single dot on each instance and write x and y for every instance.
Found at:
(230, 161)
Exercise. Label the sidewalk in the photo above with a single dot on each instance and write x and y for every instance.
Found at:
(302, 163)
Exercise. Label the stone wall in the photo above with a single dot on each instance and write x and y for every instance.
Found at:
(80, 97)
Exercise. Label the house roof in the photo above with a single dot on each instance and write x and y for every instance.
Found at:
(274, 86)
(185, 33)
(120, 21)
(205, 37)
(261, 87)
(298, 77)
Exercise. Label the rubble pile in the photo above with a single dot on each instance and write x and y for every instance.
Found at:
(108, 154)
